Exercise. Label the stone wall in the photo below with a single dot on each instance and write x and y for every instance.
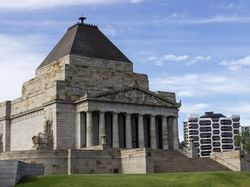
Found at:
(84, 161)
(4, 109)
(23, 128)
(96, 75)
(112, 161)
(134, 161)
(65, 126)
(55, 162)
(68, 79)
(230, 159)
(78, 161)
(95, 161)
(29, 169)
(42, 88)
(12, 171)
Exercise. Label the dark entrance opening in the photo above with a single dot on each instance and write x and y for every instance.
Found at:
(159, 132)
(122, 130)
(146, 121)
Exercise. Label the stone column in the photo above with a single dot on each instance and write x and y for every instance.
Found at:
(153, 132)
(115, 131)
(165, 132)
(175, 134)
(141, 131)
(89, 127)
(78, 131)
(128, 131)
(102, 132)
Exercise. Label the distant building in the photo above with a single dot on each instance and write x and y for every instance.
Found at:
(245, 128)
(211, 132)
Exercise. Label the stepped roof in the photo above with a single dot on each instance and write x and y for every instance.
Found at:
(85, 40)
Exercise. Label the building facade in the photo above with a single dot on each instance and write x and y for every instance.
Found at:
(85, 95)
(211, 132)
(245, 129)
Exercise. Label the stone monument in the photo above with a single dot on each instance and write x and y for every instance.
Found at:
(89, 95)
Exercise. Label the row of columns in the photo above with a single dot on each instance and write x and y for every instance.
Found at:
(128, 130)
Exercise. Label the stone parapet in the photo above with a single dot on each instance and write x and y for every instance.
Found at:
(230, 159)
(5, 110)
(139, 160)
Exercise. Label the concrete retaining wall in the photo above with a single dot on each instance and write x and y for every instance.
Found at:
(84, 161)
(12, 171)
(108, 160)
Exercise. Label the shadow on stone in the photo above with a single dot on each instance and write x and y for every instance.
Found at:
(27, 180)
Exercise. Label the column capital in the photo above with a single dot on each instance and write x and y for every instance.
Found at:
(153, 115)
(164, 116)
(114, 112)
(139, 114)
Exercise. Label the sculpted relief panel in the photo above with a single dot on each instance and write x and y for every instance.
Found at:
(44, 140)
(136, 96)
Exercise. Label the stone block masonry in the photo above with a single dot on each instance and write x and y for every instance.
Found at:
(87, 111)
(12, 171)
(109, 160)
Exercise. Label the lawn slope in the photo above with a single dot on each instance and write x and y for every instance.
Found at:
(201, 179)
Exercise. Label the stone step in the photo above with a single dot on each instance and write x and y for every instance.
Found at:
(173, 161)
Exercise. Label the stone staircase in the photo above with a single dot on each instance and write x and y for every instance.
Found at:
(12, 171)
(174, 161)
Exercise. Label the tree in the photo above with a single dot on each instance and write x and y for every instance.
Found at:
(243, 140)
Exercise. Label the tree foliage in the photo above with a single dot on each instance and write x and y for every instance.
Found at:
(243, 140)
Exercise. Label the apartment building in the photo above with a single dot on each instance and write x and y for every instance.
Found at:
(211, 132)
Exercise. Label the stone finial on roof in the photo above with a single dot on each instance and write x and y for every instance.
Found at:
(82, 18)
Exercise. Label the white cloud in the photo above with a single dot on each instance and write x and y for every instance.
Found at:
(174, 58)
(237, 64)
(206, 84)
(136, 1)
(39, 4)
(241, 108)
(18, 62)
(222, 19)
(186, 19)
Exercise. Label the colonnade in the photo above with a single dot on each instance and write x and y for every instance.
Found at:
(126, 130)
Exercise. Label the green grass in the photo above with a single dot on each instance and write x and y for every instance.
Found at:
(199, 179)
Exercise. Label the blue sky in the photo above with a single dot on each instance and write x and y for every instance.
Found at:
(199, 49)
